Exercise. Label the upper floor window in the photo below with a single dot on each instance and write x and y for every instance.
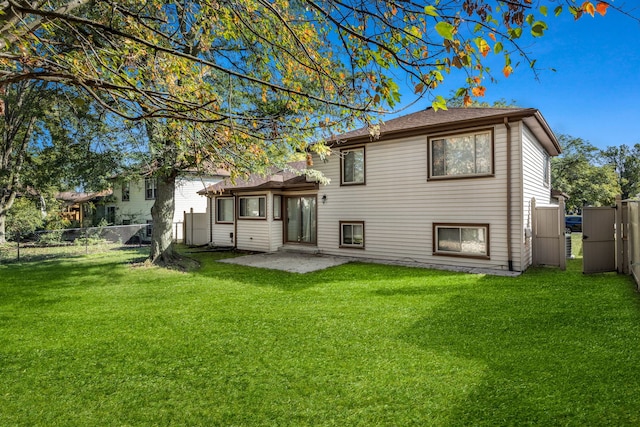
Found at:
(253, 207)
(224, 209)
(463, 155)
(150, 188)
(125, 191)
(352, 166)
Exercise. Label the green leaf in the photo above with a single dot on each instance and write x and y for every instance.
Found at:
(439, 103)
(538, 28)
(445, 30)
(515, 33)
(544, 10)
(497, 48)
(530, 19)
(558, 10)
(431, 11)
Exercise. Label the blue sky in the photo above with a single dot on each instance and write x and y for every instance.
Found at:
(594, 93)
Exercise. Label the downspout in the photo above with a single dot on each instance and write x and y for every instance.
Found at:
(509, 246)
(210, 199)
(235, 220)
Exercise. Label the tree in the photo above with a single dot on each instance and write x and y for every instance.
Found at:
(579, 173)
(50, 142)
(24, 218)
(625, 161)
(251, 81)
(23, 107)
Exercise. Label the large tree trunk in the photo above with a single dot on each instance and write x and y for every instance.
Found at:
(162, 216)
(6, 202)
(3, 222)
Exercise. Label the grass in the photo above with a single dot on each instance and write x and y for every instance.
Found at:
(100, 340)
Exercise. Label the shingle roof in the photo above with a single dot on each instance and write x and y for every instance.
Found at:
(277, 178)
(75, 197)
(430, 120)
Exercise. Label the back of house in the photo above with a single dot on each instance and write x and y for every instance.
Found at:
(449, 187)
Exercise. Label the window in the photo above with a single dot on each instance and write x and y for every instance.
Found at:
(224, 209)
(461, 155)
(470, 240)
(253, 207)
(111, 214)
(149, 188)
(546, 170)
(277, 207)
(352, 234)
(352, 166)
(125, 191)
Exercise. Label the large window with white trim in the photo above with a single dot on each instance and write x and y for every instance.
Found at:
(471, 240)
(353, 171)
(464, 155)
(224, 209)
(352, 234)
(253, 207)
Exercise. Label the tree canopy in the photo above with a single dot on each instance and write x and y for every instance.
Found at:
(241, 84)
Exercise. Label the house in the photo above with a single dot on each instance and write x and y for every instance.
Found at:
(449, 187)
(134, 198)
(86, 209)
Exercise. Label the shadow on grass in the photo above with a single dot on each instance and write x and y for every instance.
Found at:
(558, 348)
(20, 280)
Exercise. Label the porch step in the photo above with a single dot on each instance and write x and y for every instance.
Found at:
(305, 249)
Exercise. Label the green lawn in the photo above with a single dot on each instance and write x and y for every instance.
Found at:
(99, 341)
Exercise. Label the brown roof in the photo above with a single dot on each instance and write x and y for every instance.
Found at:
(79, 197)
(431, 121)
(277, 178)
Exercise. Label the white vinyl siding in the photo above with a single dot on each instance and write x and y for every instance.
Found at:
(533, 186)
(247, 233)
(400, 206)
(137, 209)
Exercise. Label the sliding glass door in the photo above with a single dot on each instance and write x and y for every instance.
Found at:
(301, 220)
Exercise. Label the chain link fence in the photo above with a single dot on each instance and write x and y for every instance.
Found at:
(47, 244)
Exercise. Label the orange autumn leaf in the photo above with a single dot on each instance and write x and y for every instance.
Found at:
(477, 80)
(493, 36)
(478, 91)
(601, 8)
(588, 8)
(467, 100)
(507, 70)
(485, 49)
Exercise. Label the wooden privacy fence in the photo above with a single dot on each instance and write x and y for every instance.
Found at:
(196, 231)
(631, 247)
(548, 231)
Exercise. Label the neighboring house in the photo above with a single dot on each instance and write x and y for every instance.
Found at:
(449, 187)
(86, 209)
(134, 198)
